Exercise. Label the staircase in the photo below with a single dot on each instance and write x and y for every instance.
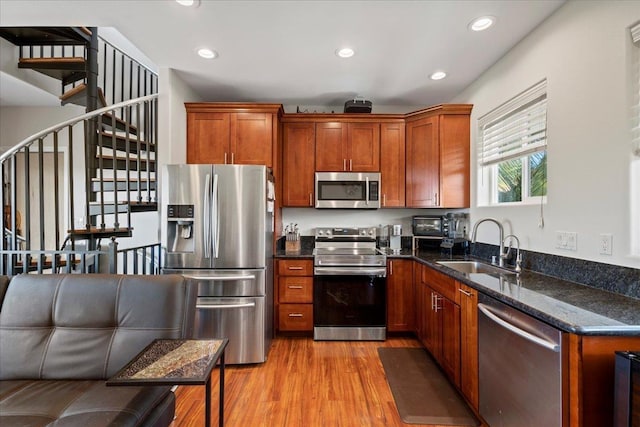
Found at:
(108, 169)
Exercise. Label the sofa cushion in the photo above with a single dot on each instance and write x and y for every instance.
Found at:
(88, 326)
(79, 403)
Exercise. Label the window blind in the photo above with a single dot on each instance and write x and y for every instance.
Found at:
(516, 128)
(635, 129)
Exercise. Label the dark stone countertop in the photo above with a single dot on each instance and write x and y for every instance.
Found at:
(569, 306)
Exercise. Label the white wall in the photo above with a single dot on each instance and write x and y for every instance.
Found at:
(582, 50)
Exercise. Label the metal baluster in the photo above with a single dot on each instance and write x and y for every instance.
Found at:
(121, 84)
(113, 79)
(101, 181)
(56, 191)
(114, 143)
(41, 198)
(27, 199)
(135, 262)
(144, 261)
(104, 66)
(138, 155)
(72, 217)
(147, 132)
(125, 263)
(128, 164)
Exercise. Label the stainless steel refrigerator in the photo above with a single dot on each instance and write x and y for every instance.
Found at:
(218, 230)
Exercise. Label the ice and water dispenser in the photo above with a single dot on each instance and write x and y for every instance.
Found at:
(180, 228)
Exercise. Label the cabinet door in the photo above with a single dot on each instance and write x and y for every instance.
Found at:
(207, 137)
(392, 164)
(423, 163)
(432, 328)
(418, 298)
(251, 139)
(455, 168)
(331, 152)
(399, 295)
(449, 312)
(298, 164)
(363, 153)
(469, 344)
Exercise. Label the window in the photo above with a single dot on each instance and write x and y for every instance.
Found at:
(512, 150)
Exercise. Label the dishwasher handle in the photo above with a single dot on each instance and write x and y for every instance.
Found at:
(522, 333)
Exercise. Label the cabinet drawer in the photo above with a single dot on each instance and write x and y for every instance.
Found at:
(295, 267)
(295, 289)
(295, 317)
(441, 283)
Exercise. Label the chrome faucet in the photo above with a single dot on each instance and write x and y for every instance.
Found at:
(518, 268)
(501, 256)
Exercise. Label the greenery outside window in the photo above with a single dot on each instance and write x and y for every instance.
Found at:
(512, 150)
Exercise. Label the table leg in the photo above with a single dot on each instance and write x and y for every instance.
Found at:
(221, 404)
(207, 403)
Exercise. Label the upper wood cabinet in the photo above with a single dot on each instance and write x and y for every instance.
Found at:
(392, 164)
(298, 164)
(344, 146)
(232, 133)
(438, 157)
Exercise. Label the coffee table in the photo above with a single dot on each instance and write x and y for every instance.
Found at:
(177, 362)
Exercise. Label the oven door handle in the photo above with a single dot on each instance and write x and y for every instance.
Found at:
(349, 271)
(221, 306)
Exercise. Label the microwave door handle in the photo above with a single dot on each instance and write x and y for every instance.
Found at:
(366, 191)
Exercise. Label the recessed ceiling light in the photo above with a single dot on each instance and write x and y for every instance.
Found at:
(188, 3)
(438, 75)
(482, 23)
(345, 52)
(207, 53)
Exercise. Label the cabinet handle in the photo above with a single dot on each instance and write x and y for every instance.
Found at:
(295, 268)
(350, 164)
(232, 158)
(390, 268)
(310, 199)
(344, 164)
(435, 196)
(384, 200)
(469, 294)
(296, 315)
(225, 157)
(295, 287)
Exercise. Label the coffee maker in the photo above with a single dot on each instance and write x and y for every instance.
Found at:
(454, 241)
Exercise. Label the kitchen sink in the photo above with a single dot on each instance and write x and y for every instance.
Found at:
(476, 267)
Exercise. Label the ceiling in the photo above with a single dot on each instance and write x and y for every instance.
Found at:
(284, 51)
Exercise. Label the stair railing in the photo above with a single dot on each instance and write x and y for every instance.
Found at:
(43, 212)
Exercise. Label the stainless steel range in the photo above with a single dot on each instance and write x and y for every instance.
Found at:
(349, 285)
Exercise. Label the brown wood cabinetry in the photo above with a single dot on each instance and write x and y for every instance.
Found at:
(227, 133)
(441, 320)
(295, 295)
(400, 300)
(298, 164)
(392, 164)
(438, 163)
(469, 343)
(347, 147)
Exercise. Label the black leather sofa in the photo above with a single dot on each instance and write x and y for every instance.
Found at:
(62, 336)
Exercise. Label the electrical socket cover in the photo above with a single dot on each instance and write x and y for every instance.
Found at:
(606, 243)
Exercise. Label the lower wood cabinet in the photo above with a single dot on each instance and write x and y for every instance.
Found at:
(295, 295)
(469, 343)
(400, 300)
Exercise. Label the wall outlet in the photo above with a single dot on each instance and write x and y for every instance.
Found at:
(567, 240)
(606, 243)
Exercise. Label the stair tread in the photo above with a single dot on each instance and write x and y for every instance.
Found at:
(73, 96)
(68, 70)
(107, 120)
(121, 142)
(96, 232)
(46, 36)
(123, 180)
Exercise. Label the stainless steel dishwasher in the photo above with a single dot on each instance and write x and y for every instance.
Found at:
(520, 367)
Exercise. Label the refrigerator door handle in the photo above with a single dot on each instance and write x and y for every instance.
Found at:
(220, 278)
(206, 229)
(219, 306)
(215, 229)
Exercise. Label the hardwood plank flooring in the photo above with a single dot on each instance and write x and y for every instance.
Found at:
(303, 383)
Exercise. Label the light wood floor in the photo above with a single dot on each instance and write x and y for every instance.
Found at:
(304, 383)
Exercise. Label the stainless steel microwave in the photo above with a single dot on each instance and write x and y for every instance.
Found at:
(348, 190)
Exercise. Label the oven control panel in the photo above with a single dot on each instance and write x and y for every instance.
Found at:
(350, 232)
